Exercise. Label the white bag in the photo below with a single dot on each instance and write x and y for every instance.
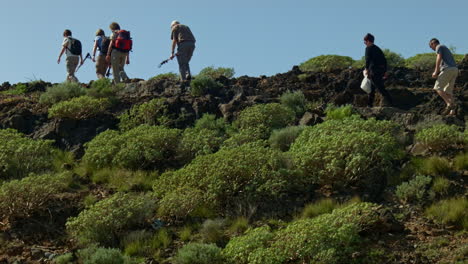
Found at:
(366, 84)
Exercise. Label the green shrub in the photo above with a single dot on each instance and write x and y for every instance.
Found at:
(101, 255)
(22, 198)
(346, 152)
(143, 147)
(436, 166)
(295, 101)
(143, 243)
(212, 231)
(124, 180)
(197, 142)
(215, 73)
(282, 139)
(185, 234)
(264, 118)
(324, 206)
(239, 226)
(20, 155)
(338, 113)
(180, 203)
(415, 190)
(64, 259)
(154, 112)
(440, 137)
(239, 248)
(241, 177)
(166, 76)
(460, 161)
(103, 88)
(209, 121)
(204, 85)
(105, 221)
(328, 238)
(440, 185)
(421, 62)
(326, 63)
(197, 253)
(246, 136)
(453, 211)
(62, 92)
(79, 108)
(19, 88)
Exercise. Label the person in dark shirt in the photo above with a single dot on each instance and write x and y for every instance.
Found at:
(376, 69)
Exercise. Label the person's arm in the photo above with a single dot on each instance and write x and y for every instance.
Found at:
(94, 51)
(109, 51)
(174, 44)
(61, 53)
(437, 66)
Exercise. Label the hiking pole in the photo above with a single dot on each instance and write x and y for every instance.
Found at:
(87, 56)
(108, 73)
(164, 62)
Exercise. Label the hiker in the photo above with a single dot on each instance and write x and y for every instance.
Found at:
(376, 70)
(101, 42)
(118, 52)
(182, 36)
(446, 72)
(72, 49)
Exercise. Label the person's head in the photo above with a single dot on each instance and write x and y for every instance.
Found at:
(433, 43)
(100, 32)
(369, 39)
(175, 22)
(67, 33)
(114, 26)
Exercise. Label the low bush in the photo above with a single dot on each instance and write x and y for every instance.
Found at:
(106, 221)
(203, 85)
(235, 178)
(295, 101)
(440, 137)
(154, 113)
(125, 180)
(338, 113)
(436, 166)
(99, 255)
(460, 161)
(282, 139)
(239, 225)
(328, 238)
(324, 206)
(198, 253)
(421, 62)
(264, 118)
(239, 248)
(453, 211)
(346, 152)
(146, 244)
(185, 234)
(326, 63)
(166, 76)
(103, 88)
(440, 185)
(66, 258)
(246, 136)
(62, 92)
(20, 199)
(83, 107)
(212, 231)
(141, 148)
(210, 122)
(20, 155)
(195, 142)
(215, 73)
(180, 203)
(416, 190)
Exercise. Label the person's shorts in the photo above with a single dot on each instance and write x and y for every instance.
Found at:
(446, 80)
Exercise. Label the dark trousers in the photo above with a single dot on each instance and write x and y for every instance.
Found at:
(184, 54)
(378, 84)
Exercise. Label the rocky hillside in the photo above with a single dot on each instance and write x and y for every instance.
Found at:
(373, 206)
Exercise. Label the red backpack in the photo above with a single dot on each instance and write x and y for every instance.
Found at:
(123, 42)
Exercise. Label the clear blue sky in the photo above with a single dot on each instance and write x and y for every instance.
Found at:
(255, 37)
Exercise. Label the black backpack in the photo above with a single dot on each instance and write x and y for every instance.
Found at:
(104, 47)
(75, 47)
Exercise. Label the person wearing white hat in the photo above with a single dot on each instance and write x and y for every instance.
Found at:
(182, 37)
